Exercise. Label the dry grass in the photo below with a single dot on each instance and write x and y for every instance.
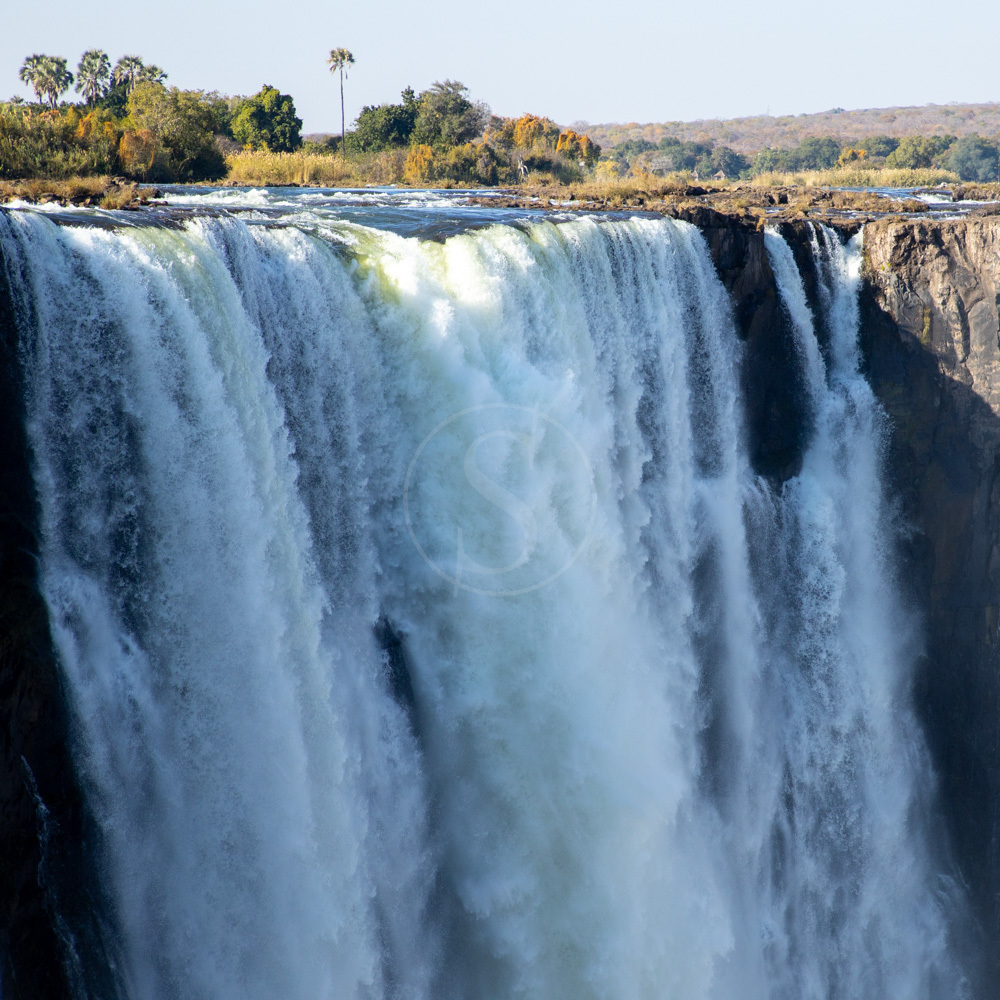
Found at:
(619, 191)
(74, 191)
(103, 192)
(261, 169)
(857, 177)
(122, 196)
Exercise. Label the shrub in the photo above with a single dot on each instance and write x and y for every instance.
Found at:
(916, 152)
(447, 117)
(267, 121)
(419, 167)
(181, 126)
(385, 126)
(974, 158)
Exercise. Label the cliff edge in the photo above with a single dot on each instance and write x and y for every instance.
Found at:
(931, 335)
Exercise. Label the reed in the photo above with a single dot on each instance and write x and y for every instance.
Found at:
(853, 176)
(262, 169)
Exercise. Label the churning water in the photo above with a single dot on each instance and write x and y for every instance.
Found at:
(429, 636)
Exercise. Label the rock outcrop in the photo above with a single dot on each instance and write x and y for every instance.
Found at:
(931, 335)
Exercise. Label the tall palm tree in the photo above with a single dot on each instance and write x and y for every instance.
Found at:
(92, 75)
(127, 71)
(56, 79)
(339, 60)
(32, 73)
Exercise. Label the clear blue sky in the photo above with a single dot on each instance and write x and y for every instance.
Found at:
(587, 60)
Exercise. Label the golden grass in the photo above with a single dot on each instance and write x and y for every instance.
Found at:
(71, 191)
(106, 192)
(260, 169)
(616, 191)
(852, 176)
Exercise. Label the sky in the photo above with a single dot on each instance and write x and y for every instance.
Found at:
(588, 61)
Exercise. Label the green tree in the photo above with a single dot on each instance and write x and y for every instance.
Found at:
(731, 163)
(151, 74)
(267, 121)
(33, 73)
(386, 126)
(918, 151)
(56, 79)
(182, 125)
(339, 60)
(768, 160)
(447, 117)
(974, 158)
(47, 76)
(93, 75)
(127, 72)
(814, 153)
(878, 145)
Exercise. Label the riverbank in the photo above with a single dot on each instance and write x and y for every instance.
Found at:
(83, 192)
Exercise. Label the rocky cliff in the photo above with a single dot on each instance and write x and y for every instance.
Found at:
(931, 333)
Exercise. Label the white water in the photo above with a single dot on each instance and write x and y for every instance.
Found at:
(654, 740)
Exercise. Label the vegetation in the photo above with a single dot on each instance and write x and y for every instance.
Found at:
(975, 159)
(47, 76)
(129, 123)
(447, 118)
(338, 62)
(386, 126)
(267, 121)
(93, 75)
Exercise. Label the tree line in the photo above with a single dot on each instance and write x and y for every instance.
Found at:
(972, 157)
(129, 122)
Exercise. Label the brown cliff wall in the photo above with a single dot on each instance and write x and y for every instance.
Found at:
(931, 335)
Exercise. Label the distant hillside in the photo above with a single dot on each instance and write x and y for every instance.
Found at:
(747, 135)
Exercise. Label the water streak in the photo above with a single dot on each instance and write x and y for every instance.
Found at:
(428, 634)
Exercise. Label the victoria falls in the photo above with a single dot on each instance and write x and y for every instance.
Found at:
(437, 602)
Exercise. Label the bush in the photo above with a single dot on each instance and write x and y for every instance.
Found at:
(447, 117)
(267, 121)
(916, 152)
(177, 128)
(974, 159)
(385, 126)
(56, 144)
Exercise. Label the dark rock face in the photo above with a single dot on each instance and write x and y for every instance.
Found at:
(47, 911)
(775, 413)
(36, 785)
(932, 341)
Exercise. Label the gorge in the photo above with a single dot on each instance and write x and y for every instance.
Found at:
(402, 605)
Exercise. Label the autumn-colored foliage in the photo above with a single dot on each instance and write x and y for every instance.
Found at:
(137, 152)
(851, 155)
(419, 168)
(578, 147)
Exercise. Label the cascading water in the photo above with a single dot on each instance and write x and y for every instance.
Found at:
(428, 634)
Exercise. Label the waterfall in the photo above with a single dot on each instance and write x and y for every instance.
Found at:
(428, 634)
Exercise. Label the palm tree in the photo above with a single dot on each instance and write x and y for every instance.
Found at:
(340, 59)
(92, 75)
(32, 73)
(150, 74)
(127, 71)
(56, 79)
